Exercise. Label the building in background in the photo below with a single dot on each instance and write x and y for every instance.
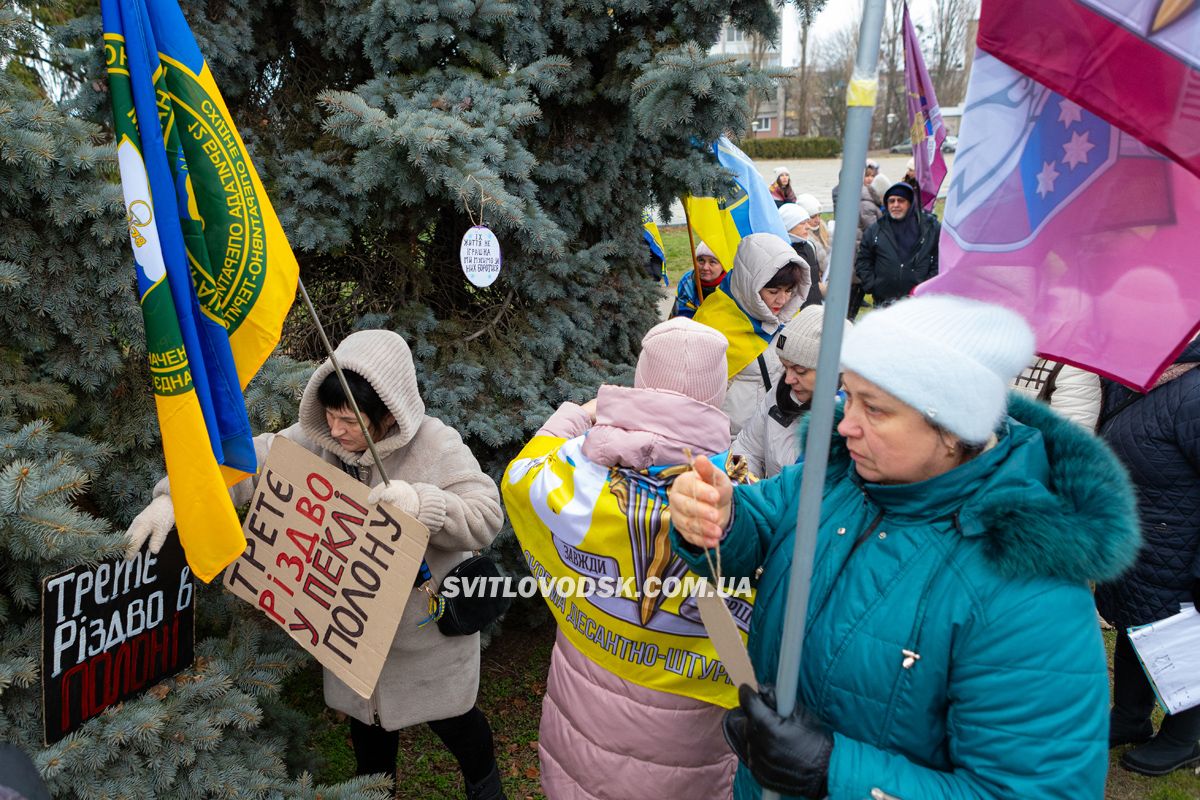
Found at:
(767, 110)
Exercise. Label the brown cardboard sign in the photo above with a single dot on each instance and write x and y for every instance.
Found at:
(726, 638)
(332, 571)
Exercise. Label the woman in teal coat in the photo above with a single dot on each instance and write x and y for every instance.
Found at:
(952, 649)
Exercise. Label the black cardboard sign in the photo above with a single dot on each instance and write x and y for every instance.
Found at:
(112, 630)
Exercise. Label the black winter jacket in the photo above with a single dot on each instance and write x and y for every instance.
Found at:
(1157, 436)
(887, 274)
(807, 252)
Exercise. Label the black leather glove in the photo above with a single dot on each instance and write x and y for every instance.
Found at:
(789, 756)
(1196, 593)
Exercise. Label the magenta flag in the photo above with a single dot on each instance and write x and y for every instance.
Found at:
(927, 131)
(1132, 62)
(1075, 224)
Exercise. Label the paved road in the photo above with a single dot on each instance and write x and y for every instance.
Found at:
(817, 176)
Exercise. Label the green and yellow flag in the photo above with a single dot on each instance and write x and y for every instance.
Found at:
(216, 276)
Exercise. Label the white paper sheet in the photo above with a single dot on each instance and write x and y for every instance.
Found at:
(1170, 654)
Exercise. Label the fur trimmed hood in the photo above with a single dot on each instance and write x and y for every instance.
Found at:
(384, 360)
(1083, 527)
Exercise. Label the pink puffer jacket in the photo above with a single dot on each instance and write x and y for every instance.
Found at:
(603, 737)
(594, 722)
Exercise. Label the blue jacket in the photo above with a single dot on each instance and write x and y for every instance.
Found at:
(1158, 438)
(981, 571)
(686, 298)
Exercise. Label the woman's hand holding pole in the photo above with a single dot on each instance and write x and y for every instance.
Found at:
(700, 502)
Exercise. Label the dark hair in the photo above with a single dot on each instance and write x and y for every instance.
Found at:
(331, 396)
(788, 276)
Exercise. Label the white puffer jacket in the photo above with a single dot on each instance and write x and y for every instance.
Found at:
(768, 441)
(1075, 393)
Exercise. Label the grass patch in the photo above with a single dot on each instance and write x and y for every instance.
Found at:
(678, 252)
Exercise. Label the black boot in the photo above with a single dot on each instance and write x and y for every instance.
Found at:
(1174, 747)
(487, 789)
(1133, 698)
(1121, 732)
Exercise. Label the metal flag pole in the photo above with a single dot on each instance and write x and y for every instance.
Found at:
(860, 102)
(362, 424)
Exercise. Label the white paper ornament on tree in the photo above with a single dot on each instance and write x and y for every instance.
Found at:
(479, 255)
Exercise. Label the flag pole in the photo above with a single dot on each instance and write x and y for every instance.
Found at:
(342, 380)
(687, 218)
(860, 102)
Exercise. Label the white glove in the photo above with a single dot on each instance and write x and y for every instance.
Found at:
(400, 494)
(154, 523)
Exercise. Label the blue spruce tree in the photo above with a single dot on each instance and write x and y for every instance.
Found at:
(382, 131)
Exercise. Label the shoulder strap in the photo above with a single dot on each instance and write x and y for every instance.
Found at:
(762, 368)
(1124, 404)
(1048, 386)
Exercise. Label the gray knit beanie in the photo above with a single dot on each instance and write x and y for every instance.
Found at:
(800, 341)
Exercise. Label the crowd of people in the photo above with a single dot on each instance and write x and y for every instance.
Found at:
(952, 647)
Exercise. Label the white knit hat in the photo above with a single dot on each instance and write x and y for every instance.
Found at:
(792, 215)
(810, 204)
(800, 341)
(950, 358)
(704, 250)
(684, 356)
(782, 171)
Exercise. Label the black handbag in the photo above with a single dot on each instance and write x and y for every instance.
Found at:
(463, 615)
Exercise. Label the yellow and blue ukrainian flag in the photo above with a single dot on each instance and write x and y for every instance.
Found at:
(655, 243)
(216, 275)
(745, 335)
(721, 223)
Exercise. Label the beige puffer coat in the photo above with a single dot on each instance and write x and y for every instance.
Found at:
(427, 676)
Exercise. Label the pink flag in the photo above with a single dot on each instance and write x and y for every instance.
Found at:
(1073, 223)
(1133, 62)
(926, 128)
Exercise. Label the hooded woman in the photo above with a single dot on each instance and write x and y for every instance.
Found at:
(768, 440)
(760, 294)
(781, 189)
(712, 272)
(612, 728)
(428, 677)
(951, 648)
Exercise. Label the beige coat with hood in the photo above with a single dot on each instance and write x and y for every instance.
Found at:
(759, 257)
(427, 676)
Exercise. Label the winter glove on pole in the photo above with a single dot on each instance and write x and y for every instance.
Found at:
(154, 523)
(400, 494)
(789, 756)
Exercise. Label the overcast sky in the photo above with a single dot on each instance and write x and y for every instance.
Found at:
(838, 13)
